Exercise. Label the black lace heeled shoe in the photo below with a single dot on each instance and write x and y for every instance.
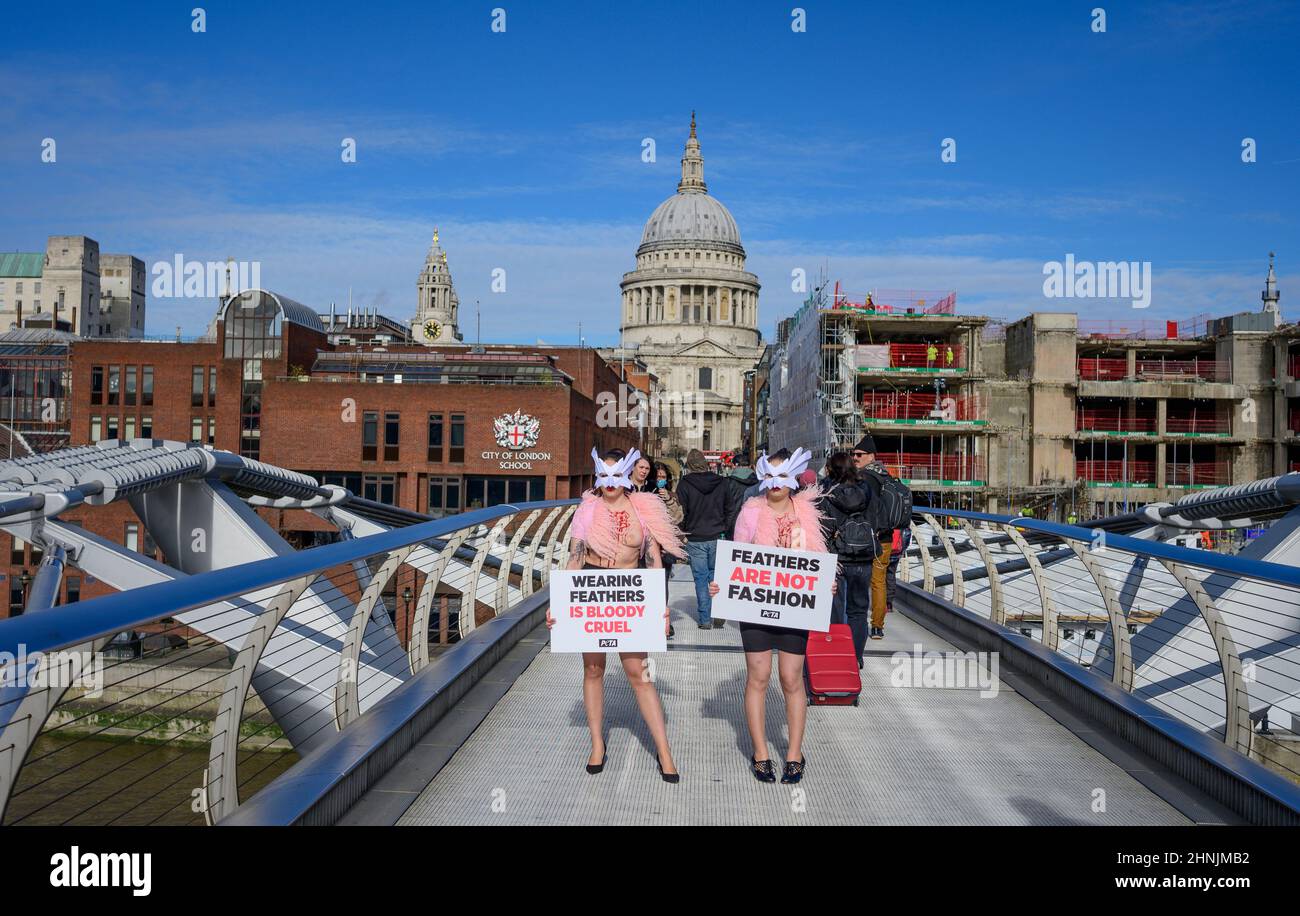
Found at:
(793, 771)
(667, 777)
(762, 770)
(594, 768)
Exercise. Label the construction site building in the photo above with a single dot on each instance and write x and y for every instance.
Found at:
(1049, 413)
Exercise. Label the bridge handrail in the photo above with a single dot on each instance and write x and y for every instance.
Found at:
(106, 616)
(1277, 573)
(1210, 639)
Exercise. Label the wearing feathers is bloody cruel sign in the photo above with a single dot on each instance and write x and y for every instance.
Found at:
(609, 610)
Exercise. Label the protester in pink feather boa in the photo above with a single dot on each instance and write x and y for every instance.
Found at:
(616, 528)
(781, 516)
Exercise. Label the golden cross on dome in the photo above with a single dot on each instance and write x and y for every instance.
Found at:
(692, 122)
(435, 236)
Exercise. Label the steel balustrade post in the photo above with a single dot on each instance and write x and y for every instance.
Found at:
(417, 649)
(467, 619)
(347, 700)
(1051, 633)
(24, 726)
(503, 574)
(1122, 670)
(997, 611)
(958, 585)
(563, 540)
(221, 783)
(927, 564)
(528, 586)
(1236, 719)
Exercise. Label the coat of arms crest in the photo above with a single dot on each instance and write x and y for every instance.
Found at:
(516, 430)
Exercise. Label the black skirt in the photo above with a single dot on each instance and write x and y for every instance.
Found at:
(758, 637)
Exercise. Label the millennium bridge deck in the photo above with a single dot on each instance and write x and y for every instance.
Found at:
(906, 755)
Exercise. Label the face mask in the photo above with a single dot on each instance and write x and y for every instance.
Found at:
(661, 484)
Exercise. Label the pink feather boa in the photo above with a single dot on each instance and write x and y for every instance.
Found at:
(593, 525)
(756, 523)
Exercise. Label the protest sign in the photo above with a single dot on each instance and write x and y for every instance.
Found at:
(774, 586)
(609, 610)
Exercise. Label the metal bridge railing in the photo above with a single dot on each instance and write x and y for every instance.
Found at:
(169, 704)
(1213, 640)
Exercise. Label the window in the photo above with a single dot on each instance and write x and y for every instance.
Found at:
(212, 386)
(146, 427)
(146, 388)
(74, 590)
(97, 384)
(196, 429)
(17, 552)
(110, 431)
(369, 436)
(482, 492)
(129, 428)
(131, 536)
(196, 386)
(457, 450)
(435, 437)
(392, 432)
(96, 429)
(114, 384)
(16, 597)
(131, 381)
(444, 496)
(212, 430)
(706, 379)
(380, 488)
(150, 548)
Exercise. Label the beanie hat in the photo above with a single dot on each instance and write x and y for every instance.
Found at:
(866, 444)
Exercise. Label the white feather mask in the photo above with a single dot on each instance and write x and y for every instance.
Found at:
(618, 474)
(786, 475)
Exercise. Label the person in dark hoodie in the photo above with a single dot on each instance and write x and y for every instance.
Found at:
(857, 546)
(710, 504)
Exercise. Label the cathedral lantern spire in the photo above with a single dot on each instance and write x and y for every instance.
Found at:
(1270, 294)
(692, 166)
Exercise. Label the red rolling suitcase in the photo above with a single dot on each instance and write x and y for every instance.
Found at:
(831, 668)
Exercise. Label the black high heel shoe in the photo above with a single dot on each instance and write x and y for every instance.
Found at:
(793, 771)
(667, 777)
(762, 770)
(594, 768)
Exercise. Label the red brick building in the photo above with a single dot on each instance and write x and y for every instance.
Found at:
(435, 430)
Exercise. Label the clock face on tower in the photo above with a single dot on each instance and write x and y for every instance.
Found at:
(431, 330)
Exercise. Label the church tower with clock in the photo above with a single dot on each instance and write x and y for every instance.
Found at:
(437, 313)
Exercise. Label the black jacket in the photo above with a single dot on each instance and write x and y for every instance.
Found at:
(841, 501)
(711, 503)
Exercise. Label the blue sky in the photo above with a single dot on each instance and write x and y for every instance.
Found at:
(524, 147)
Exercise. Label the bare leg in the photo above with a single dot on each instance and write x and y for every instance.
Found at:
(593, 698)
(647, 700)
(758, 670)
(796, 701)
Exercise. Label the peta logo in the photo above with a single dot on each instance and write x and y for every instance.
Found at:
(103, 869)
(609, 643)
(771, 615)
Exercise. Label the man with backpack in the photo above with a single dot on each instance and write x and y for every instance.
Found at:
(889, 507)
(710, 504)
(849, 535)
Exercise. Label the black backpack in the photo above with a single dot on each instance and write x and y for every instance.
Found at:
(854, 539)
(892, 508)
